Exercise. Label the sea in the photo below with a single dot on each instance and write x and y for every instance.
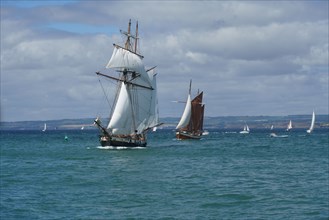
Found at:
(225, 175)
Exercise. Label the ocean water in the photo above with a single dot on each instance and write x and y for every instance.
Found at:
(222, 176)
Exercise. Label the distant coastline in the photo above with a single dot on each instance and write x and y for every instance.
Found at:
(220, 122)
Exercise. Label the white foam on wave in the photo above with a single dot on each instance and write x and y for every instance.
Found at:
(118, 148)
(280, 136)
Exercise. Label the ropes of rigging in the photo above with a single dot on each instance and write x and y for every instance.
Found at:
(106, 96)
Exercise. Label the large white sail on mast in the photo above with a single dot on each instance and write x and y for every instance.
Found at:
(153, 119)
(185, 119)
(136, 107)
(147, 112)
(125, 59)
(121, 120)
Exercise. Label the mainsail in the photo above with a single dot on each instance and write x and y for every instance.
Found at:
(196, 121)
(185, 119)
(136, 106)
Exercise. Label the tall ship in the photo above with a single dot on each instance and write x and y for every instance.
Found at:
(135, 107)
(190, 125)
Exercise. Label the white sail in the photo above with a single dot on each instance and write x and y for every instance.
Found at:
(136, 108)
(147, 116)
(121, 120)
(124, 59)
(312, 123)
(154, 108)
(186, 114)
(44, 127)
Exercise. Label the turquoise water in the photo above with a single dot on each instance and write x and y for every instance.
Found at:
(223, 176)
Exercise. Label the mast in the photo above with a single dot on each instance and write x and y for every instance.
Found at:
(189, 92)
(127, 44)
(136, 37)
(125, 75)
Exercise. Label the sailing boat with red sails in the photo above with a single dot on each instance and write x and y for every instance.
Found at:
(190, 125)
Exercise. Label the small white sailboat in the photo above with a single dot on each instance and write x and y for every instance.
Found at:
(289, 127)
(44, 127)
(245, 130)
(310, 130)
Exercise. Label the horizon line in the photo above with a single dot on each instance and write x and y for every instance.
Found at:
(84, 118)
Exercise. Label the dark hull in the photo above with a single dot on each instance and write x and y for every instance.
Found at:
(187, 136)
(121, 142)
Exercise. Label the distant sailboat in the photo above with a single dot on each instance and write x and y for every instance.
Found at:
(190, 125)
(44, 127)
(289, 127)
(135, 109)
(245, 130)
(310, 130)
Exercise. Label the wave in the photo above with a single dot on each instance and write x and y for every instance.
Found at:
(119, 148)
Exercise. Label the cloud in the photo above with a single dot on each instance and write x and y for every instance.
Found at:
(249, 58)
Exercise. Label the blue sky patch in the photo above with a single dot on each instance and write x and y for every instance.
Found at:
(32, 4)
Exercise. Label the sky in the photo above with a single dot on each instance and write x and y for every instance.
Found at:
(249, 58)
